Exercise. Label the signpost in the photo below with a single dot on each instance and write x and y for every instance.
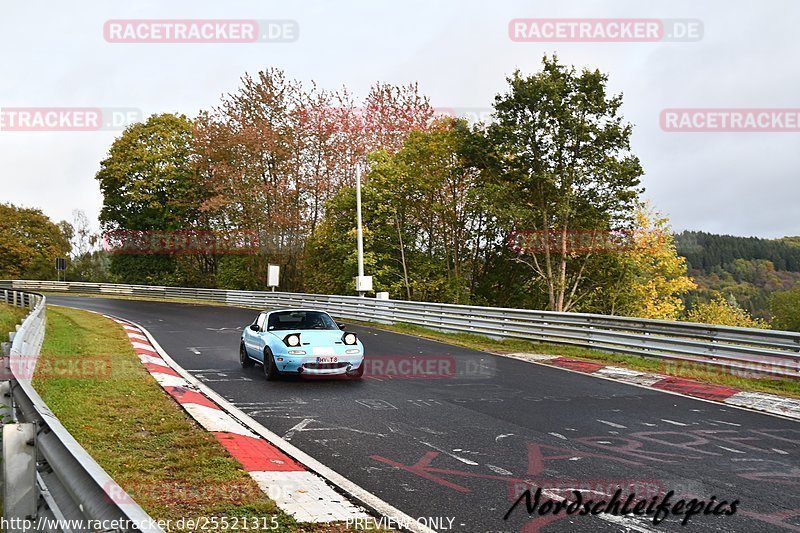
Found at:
(273, 275)
(363, 283)
(61, 266)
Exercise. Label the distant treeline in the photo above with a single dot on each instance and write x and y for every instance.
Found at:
(705, 251)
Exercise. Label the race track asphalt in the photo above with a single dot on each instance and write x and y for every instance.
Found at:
(462, 443)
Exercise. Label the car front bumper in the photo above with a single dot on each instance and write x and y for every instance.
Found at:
(310, 366)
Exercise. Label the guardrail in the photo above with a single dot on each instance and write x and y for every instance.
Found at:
(50, 482)
(736, 350)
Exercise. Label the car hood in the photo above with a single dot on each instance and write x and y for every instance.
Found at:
(313, 337)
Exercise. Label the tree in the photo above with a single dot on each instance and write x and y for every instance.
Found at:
(87, 261)
(785, 309)
(331, 261)
(425, 217)
(647, 280)
(722, 312)
(276, 152)
(148, 183)
(564, 164)
(30, 243)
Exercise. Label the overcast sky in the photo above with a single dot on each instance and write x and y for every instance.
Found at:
(54, 55)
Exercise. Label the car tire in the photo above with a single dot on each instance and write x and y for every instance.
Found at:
(358, 374)
(244, 359)
(270, 370)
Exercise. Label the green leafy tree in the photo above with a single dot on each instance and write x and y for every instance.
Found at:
(424, 215)
(785, 309)
(331, 257)
(148, 183)
(30, 243)
(723, 312)
(564, 164)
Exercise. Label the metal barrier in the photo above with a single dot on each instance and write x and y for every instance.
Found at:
(50, 482)
(736, 350)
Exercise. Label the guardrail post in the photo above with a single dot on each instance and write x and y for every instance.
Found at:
(6, 403)
(19, 475)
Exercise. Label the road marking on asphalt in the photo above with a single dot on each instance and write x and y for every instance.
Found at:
(729, 449)
(454, 456)
(727, 423)
(612, 424)
(674, 423)
(298, 427)
(376, 404)
(424, 403)
(559, 435)
(504, 435)
(303, 427)
(194, 350)
(499, 470)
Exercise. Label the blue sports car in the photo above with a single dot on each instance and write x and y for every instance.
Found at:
(301, 342)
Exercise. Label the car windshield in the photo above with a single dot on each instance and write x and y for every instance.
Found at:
(284, 320)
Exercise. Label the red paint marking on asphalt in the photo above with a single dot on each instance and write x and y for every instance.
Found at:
(695, 388)
(158, 369)
(421, 469)
(147, 351)
(574, 364)
(183, 395)
(256, 454)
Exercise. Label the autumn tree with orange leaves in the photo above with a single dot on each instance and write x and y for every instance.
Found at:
(273, 153)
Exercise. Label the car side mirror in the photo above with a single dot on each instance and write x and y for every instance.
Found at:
(341, 325)
(255, 327)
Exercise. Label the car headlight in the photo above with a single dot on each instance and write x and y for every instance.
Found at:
(352, 351)
(349, 338)
(292, 340)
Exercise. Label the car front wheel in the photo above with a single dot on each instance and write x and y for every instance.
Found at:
(244, 359)
(270, 370)
(356, 374)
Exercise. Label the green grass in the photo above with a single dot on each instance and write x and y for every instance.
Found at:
(173, 468)
(10, 316)
(782, 387)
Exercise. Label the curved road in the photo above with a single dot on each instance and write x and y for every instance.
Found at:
(460, 444)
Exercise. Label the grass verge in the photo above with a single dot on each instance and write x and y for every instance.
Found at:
(173, 468)
(782, 387)
(10, 316)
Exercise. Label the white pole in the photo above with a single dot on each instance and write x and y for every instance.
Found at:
(359, 231)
